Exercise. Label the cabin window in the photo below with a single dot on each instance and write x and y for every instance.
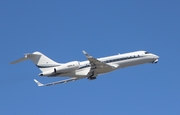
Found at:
(147, 53)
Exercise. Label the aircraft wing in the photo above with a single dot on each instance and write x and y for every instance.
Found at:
(97, 65)
(57, 82)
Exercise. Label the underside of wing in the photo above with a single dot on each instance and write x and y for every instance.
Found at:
(57, 82)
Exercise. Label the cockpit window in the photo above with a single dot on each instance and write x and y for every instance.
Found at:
(147, 53)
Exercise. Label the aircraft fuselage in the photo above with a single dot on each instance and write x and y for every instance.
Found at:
(121, 60)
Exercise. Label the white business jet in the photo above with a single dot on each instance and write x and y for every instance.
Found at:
(90, 69)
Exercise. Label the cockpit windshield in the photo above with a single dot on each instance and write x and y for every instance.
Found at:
(147, 52)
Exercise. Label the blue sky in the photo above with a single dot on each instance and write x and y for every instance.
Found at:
(62, 29)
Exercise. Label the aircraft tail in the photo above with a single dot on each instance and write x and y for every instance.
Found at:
(40, 60)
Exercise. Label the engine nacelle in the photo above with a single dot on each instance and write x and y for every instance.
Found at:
(70, 66)
(47, 73)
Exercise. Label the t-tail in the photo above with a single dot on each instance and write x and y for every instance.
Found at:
(40, 60)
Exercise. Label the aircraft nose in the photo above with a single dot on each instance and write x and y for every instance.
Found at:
(156, 57)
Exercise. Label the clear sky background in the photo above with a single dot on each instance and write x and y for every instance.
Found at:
(62, 29)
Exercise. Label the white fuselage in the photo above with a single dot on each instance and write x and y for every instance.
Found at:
(120, 60)
(90, 69)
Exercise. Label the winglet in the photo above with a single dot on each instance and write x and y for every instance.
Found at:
(38, 83)
(86, 54)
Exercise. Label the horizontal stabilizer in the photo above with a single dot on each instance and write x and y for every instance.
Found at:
(19, 60)
(57, 82)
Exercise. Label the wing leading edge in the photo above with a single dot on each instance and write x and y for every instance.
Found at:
(57, 82)
(96, 66)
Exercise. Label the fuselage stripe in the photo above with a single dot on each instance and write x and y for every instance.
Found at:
(113, 60)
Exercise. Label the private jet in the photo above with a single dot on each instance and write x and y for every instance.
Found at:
(89, 69)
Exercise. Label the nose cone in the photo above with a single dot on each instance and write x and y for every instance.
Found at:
(156, 57)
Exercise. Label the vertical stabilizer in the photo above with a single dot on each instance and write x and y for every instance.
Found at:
(40, 60)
